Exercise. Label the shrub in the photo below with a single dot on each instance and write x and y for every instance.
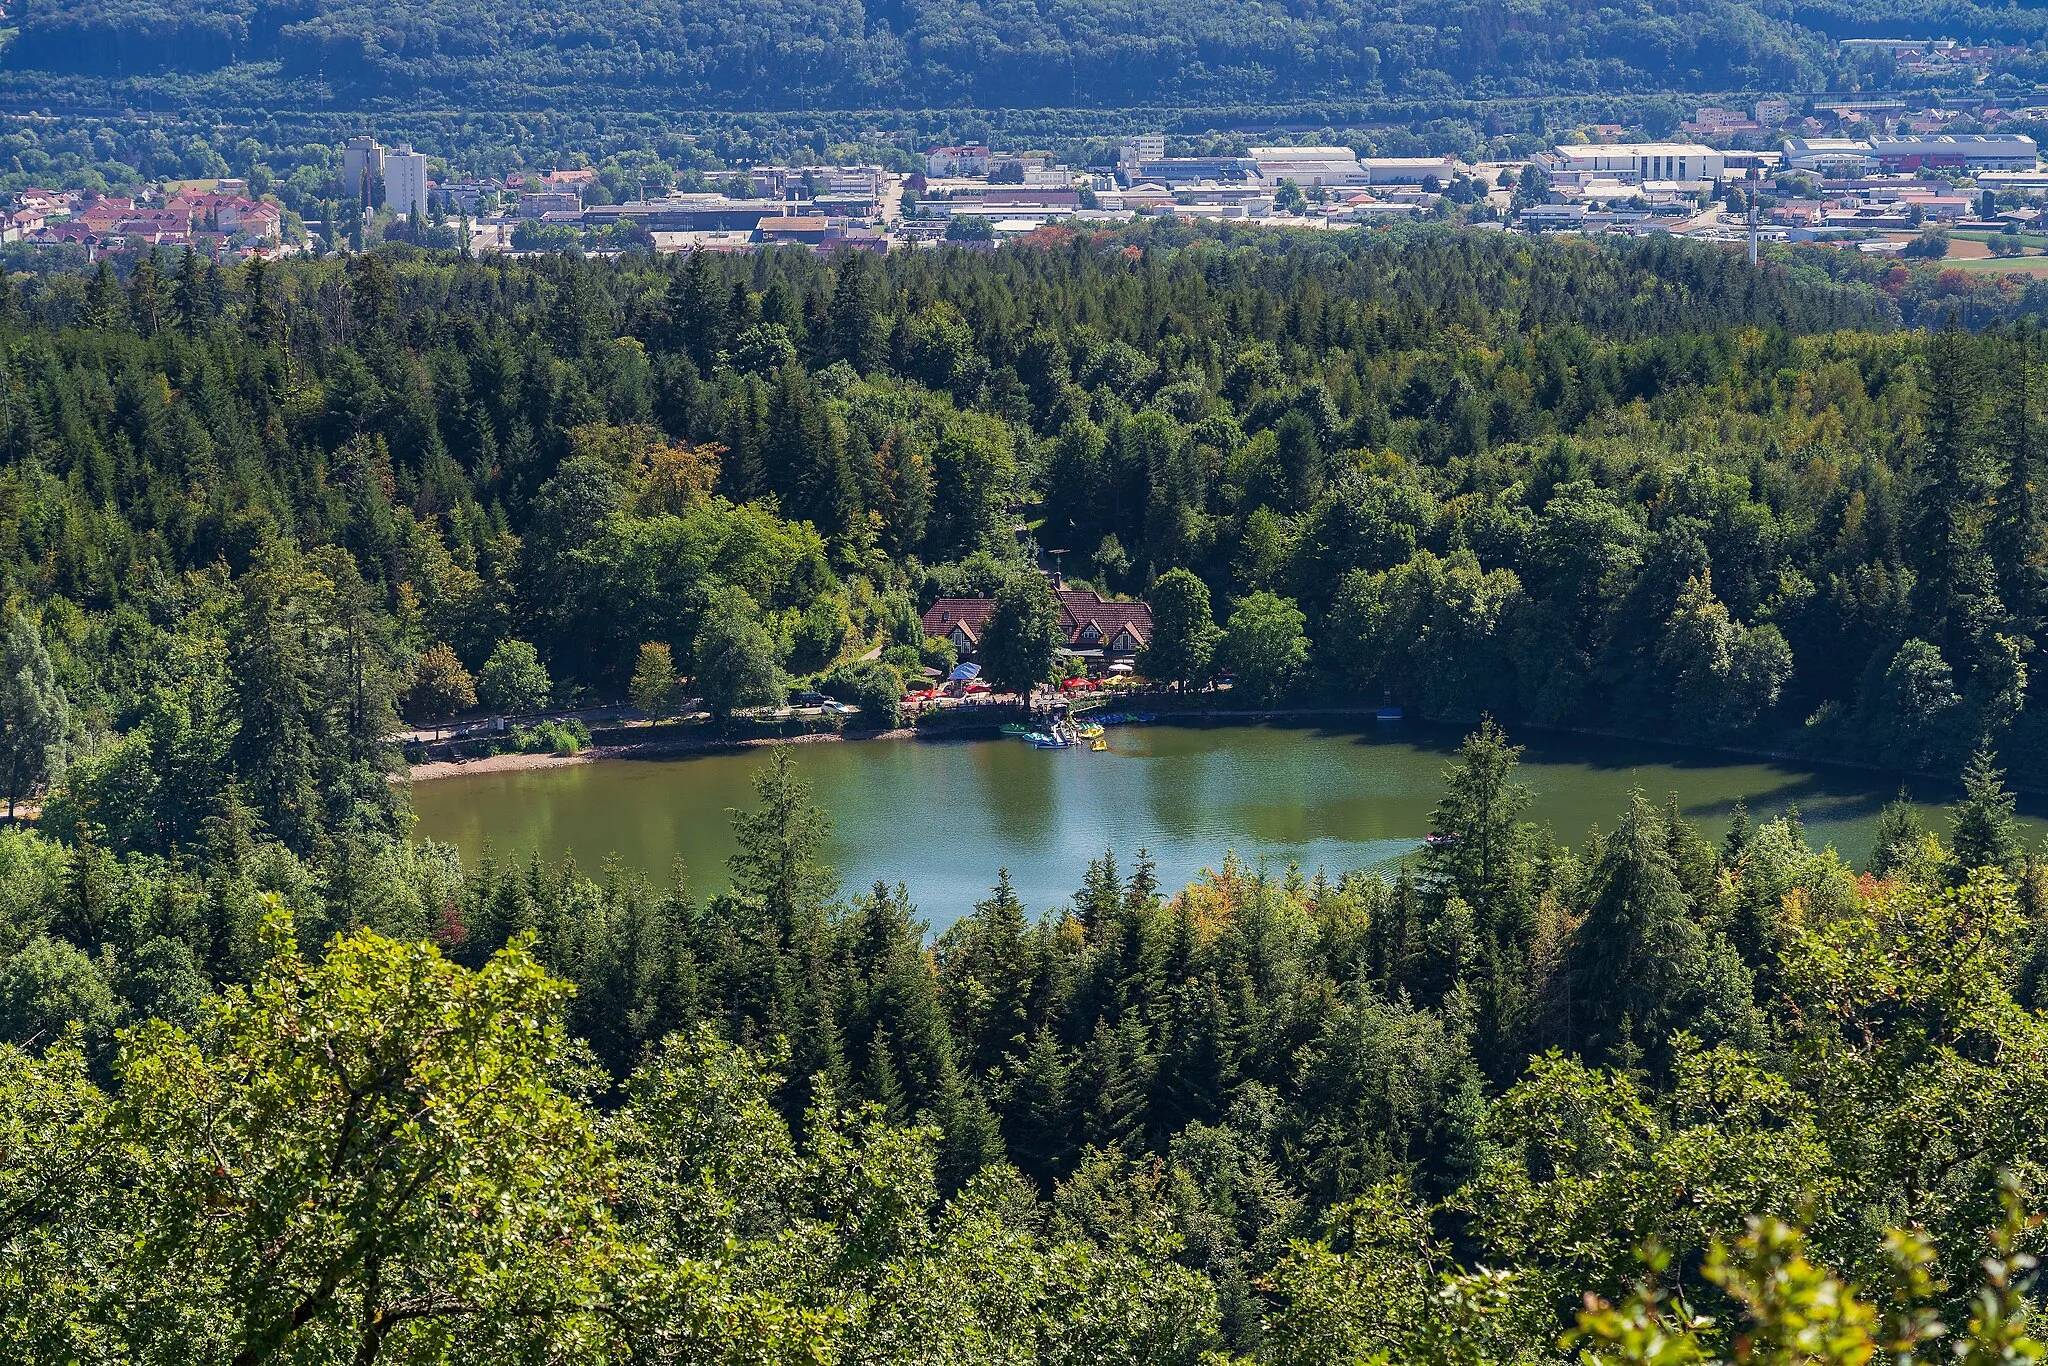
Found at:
(873, 686)
(563, 738)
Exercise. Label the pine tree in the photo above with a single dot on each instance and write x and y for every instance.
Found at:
(1039, 1111)
(145, 293)
(879, 1082)
(35, 713)
(106, 307)
(1986, 833)
(1900, 832)
(781, 845)
(1638, 956)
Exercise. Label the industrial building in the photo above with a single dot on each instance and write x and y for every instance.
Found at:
(1636, 162)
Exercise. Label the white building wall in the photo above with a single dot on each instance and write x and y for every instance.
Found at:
(405, 182)
(362, 165)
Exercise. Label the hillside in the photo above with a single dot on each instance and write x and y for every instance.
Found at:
(783, 54)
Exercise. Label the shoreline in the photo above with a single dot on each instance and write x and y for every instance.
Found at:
(662, 749)
(650, 749)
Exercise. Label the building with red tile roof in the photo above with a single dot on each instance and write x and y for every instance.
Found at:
(1097, 629)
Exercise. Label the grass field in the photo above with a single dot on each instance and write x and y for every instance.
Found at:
(2021, 265)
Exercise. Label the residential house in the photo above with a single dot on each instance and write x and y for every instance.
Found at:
(1098, 631)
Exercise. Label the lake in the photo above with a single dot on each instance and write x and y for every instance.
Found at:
(943, 816)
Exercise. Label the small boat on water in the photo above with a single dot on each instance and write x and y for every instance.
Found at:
(1388, 713)
(1044, 741)
(1089, 731)
(1099, 745)
(1016, 728)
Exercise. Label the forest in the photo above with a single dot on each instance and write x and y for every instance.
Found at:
(1638, 488)
(812, 54)
(1643, 1099)
(279, 1083)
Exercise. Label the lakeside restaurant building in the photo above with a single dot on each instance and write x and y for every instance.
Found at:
(1099, 632)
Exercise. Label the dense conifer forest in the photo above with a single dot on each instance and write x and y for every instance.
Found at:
(279, 1084)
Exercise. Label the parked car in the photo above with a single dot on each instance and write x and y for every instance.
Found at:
(810, 698)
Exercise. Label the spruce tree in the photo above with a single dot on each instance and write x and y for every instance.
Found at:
(1477, 824)
(1986, 833)
(145, 293)
(1039, 1111)
(781, 847)
(35, 713)
(2018, 535)
(879, 1081)
(1638, 956)
(106, 307)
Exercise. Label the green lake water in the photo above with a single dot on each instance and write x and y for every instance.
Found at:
(943, 816)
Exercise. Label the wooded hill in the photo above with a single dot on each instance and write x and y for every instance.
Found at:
(785, 54)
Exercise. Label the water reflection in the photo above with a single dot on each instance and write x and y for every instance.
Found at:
(943, 817)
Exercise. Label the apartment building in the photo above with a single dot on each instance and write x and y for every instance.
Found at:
(405, 181)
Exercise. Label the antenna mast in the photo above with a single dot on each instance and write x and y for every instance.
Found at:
(1752, 214)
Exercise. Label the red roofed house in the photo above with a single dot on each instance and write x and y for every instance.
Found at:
(1098, 631)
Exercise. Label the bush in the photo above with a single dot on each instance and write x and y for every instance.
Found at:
(563, 738)
(873, 686)
(937, 652)
(820, 634)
